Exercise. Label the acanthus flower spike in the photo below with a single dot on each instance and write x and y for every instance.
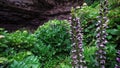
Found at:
(118, 59)
(101, 34)
(76, 39)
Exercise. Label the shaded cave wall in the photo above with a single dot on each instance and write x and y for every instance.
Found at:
(17, 14)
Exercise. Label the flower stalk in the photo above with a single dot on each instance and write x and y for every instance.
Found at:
(101, 34)
(76, 39)
(118, 59)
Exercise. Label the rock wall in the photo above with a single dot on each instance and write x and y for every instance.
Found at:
(16, 14)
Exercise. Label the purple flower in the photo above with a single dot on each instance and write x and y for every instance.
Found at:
(116, 66)
(118, 60)
(76, 38)
(118, 52)
(101, 34)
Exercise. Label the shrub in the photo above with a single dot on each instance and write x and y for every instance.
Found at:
(16, 45)
(55, 35)
(21, 40)
(45, 53)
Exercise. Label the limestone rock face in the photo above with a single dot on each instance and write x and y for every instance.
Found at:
(15, 14)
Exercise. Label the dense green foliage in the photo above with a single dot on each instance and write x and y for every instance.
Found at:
(89, 20)
(54, 34)
(52, 40)
(49, 46)
(29, 62)
(49, 41)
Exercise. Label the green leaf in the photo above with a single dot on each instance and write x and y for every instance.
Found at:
(114, 31)
(29, 62)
